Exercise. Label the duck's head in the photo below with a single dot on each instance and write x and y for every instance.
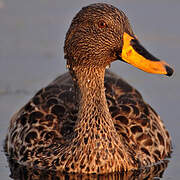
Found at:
(100, 34)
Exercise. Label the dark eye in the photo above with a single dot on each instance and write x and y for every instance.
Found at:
(102, 24)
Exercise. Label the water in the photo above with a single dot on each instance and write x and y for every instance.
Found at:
(31, 55)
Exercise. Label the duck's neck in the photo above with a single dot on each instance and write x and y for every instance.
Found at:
(93, 117)
(95, 138)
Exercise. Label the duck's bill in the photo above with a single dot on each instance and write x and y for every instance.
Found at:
(135, 54)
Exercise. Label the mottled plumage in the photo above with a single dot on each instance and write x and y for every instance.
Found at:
(89, 120)
(27, 173)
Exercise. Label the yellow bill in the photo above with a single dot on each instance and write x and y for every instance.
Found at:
(135, 54)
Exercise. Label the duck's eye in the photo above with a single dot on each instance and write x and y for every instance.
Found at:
(102, 24)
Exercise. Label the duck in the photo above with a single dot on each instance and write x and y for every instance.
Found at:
(89, 120)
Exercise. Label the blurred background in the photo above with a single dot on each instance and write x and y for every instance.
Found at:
(31, 55)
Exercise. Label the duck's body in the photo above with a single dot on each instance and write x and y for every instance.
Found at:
(84, 122)
(40, 129)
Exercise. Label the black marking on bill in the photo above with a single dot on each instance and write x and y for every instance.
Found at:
(142, 51)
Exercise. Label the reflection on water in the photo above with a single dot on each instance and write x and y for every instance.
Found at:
(24, 173)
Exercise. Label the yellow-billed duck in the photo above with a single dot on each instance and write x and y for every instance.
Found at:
(89, 120)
